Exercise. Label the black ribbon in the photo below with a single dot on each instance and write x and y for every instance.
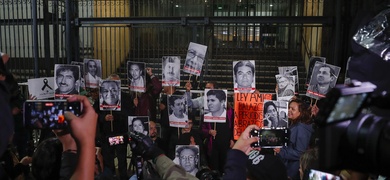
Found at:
(46, 84)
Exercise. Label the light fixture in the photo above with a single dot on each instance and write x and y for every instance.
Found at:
(271, 5)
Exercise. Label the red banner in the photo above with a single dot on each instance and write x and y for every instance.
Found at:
(248, 109)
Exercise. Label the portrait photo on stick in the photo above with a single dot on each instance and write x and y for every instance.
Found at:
(215, 105)
(93, 72)
(195, 58)
(139, 124)
(275, 114)
(188, 157)
(322, 80)
(178, 110)
(244, 76)
(136, 76)
(312, 62)
(67, 80)
(171, 70)
(110, 95)
(290, 71)
(285, 87)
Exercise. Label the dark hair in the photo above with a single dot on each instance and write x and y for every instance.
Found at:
(172, 99)
(108, 81)
(46, 160)
(309, 159)
(135, 119)
(303, 108)
(75, 70)
(193, 148)
(215, 84)
(221, 96)
(90, 61)
(267, 104)
(244, 63)
(331, 70)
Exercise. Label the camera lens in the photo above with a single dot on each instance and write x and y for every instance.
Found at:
(369, 141)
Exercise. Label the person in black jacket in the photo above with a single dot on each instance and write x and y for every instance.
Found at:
(114, 123)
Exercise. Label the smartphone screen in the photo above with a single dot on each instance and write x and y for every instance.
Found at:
(115, 140)
(48, 114)
(315, 174)
(271, 138)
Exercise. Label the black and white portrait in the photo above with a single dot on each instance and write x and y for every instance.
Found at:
(93, 70)
(215, 104)
(275, 114)
(178, 110)
(82, 73)
(171, 70)
(195, 57)
(244, 76)
(67, 80)
(286, 89)
(188, 157)
(290, 71)
(139, 124)
(323, 79)
(312, 62)
(136, 76)
(110, 95)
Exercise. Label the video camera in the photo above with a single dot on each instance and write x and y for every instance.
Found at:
(351, 139)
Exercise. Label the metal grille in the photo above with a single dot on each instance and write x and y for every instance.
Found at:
(272, 32)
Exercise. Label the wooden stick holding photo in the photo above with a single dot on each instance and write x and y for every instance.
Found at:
(178, 133)
(112, 126)
(189, 78)
(215, 128)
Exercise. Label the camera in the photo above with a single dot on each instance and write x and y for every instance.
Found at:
(349, 138)
(270, 137)
(48, 114)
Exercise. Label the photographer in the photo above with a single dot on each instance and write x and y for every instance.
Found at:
(155, 159)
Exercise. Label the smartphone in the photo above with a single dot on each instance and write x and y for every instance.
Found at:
(116, 140)
(313, 174)
(271, 138)
(48, 114)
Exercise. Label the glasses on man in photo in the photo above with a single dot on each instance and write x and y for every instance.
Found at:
(192, 54)
(191, 158)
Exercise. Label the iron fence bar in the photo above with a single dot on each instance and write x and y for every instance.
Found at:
(35, 38)
(328, 21)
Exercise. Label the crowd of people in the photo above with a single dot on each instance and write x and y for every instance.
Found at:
(88, 149)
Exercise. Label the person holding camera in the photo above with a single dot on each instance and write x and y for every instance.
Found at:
(300, 133)
(114, 123)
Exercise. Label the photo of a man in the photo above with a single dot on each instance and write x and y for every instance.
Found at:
(244, 76)
(110, 95)
(323, 79)
(66, 80)
(312, 62)
(188, 157)
(290, 71)
(171, 70)
(136, 76)
(93, 72)
(82, 79)
(215, 105)
(177, 106)
(195, 57)
(285, 90)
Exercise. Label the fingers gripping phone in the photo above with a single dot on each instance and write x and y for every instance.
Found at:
(48, 114)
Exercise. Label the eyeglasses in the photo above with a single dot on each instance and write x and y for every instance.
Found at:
(191, 158)
(192, 53)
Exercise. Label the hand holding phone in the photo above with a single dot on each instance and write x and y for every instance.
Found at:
(48, 114)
